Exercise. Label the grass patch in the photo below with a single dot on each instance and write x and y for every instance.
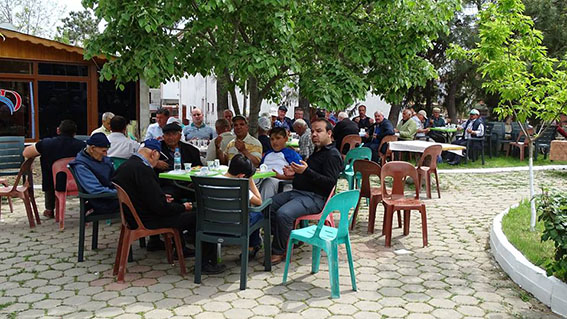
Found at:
(516, 227)
(501, 161)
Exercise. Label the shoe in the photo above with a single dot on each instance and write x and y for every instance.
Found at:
(187, 252)
(252, 251)
(48, 213)
(276, 259)
(209, 268)
(155, 245)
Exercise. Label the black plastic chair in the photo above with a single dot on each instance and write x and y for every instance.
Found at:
(489, 137)
(86, 216)
(543, 143)
(11, 149)
(472, 148)
(222, 216)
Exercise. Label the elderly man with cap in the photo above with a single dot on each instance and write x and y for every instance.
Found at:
(155, 209)
(473, 127)
(94, 171)
(105, 127)
(243, 143)
(264, 126)
(437, 120)
(282, 120)
(420, 119)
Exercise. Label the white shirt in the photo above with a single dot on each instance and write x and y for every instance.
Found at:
(276, 160)
(154, 131)
(121, 146)
(479, 132)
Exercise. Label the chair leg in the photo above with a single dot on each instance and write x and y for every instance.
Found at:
(124, 256)
(406, 222)
(267, 245)
(34, 206)
(481, 153)
(56, 214)
(388, 225)
(82, 226)
(179, 248)
(118, 250)
(437, 182)
(168, 248)
(244, 263)
(372, 215)
(94, 243)
(355, 214)
(350, 264)
(198, 258)
(424, 225)
(333, 258)
(521, 154)
(315, 259)
(288, 258)
(399, 219)
(28, 207)
(428, 184)
(61, 213)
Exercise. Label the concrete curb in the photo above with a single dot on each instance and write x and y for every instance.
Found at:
(549, 290)
(501, 169)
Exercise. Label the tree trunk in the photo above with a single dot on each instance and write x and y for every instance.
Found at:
(394, 113)
(532, 188)
(450, 101)
(222, 96)
(255, 103)
(429, 96)
(304, 105)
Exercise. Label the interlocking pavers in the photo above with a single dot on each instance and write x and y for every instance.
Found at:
(455, 277)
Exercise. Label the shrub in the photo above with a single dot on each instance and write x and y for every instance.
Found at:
(553, 213)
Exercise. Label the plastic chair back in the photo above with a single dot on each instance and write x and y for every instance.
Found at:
(366, 168)
(352, 140)
(11, 159)
(25, 169)
(124, 199)
(398, 171)
(356, 154)
(387, 139)
(429, 157)
(342, 202)
(329, 220)
(60, 166)
(117, 161)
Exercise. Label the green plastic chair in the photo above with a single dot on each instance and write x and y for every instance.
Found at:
(328, 239)
(353, 155)
(117, 161)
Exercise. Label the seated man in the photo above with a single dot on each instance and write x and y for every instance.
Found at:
(312, 183)
(407, 127)
(276, 159)
(243, 144)
(306, 146)
(94, 172)
(156, 210)
(120, 145)
(381, 128)
(437, 120)
(343, 128)
(189, 154)
(473, 127)
(198, 129)
(264, 127)
(420, 119)
(105, 127)
(224, 135)
(52, 149)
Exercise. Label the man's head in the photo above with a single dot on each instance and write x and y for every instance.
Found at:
(406, 114)
(172, 135)
(278, 138)
(97, 146)
(240, 125)
(118, 124)
(150, 150)
(321, 132)
(436, 112)
(298, 113)
(378, 117)
(106, 118)
(197, 116)
(161, 117)
(474, 114)
(67, 128)
(227, 114)
(282, 110)
(264, 124)
(299, 126)
(362, 110)
(342, 116)
(221, 126)
(241, 167)
(422, 115)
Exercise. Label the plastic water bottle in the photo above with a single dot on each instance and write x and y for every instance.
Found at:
(177, 160)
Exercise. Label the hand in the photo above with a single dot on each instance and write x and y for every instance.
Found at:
(240, 145)
(168, 198)
(459, 128)
(431, 121)
(469, 130)
(218, 141)
(366, 135)
(162, 165)
(288, 171)
(396, 130)
(278, 175)
(427, 130)
(299, 168)
(188, 206)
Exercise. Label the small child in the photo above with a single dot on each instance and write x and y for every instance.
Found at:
(276, 159)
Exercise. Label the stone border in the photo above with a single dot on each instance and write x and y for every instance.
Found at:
(501, 169)
(549, 290)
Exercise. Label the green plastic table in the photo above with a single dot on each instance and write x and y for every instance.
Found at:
(293, 143)
(186, 177)
(447, 131)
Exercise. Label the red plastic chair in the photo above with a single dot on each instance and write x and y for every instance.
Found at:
(128, 236)
(24, 192)
(349, 142)
(4, 183)
(389, 154)
(427, 165)
(329, 221)
(396, 201)
(60, 166)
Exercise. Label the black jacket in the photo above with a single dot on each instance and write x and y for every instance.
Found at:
(324, 167)
(344, 128)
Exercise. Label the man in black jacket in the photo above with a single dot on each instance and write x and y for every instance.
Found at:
(343, 128)
(382, 127)
(156, 210)
(312, 183)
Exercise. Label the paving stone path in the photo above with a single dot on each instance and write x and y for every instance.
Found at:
(455, 277)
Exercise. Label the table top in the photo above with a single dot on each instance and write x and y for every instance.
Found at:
(293, 143)
(183, 176)
(420, 146)
(444, 129)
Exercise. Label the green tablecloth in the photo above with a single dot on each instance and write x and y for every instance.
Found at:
(293, 143)
(443, 129)
(187, 177)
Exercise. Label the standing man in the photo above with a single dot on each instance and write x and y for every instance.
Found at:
(282, 120)
(120, 145)
(473, 127)
(407, 127)
(52, 149)
(306, 146)
(244, 143)
(155, 130)
(298, 115)
(224, 135)
(312, 183)
(228, 115)
(343, 128)
(381, 128)
(363, 120)
(198, 129)
(105, 127)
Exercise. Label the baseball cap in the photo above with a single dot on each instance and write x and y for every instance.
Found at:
(152, 144)
(422, 112)
(474, 111)
(265, 123)
(99, 140)
(282, 108)
(239, 117)
(171, 127)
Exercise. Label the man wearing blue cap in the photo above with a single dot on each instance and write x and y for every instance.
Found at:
(473, 127)
(156, 210)
(94, 171)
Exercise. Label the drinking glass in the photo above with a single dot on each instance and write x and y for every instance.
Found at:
(187, 167)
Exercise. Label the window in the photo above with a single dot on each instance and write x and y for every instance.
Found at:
(63, 69)
(16, 109)
(15, 67)
(60, 101)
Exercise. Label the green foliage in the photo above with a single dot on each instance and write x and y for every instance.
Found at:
(340, 49)
(553, 213)
(77, 27)
(35, 17)
(550, 16)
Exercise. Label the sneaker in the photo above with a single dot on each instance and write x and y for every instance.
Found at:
(209, 268)
(155, 245)
(48, 213)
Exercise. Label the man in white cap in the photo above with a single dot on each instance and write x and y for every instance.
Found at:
(437, 120)
(473, 127)
(420, 119)
(264, 126)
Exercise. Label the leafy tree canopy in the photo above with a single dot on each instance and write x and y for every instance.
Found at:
(35, 17)
(77, 27)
